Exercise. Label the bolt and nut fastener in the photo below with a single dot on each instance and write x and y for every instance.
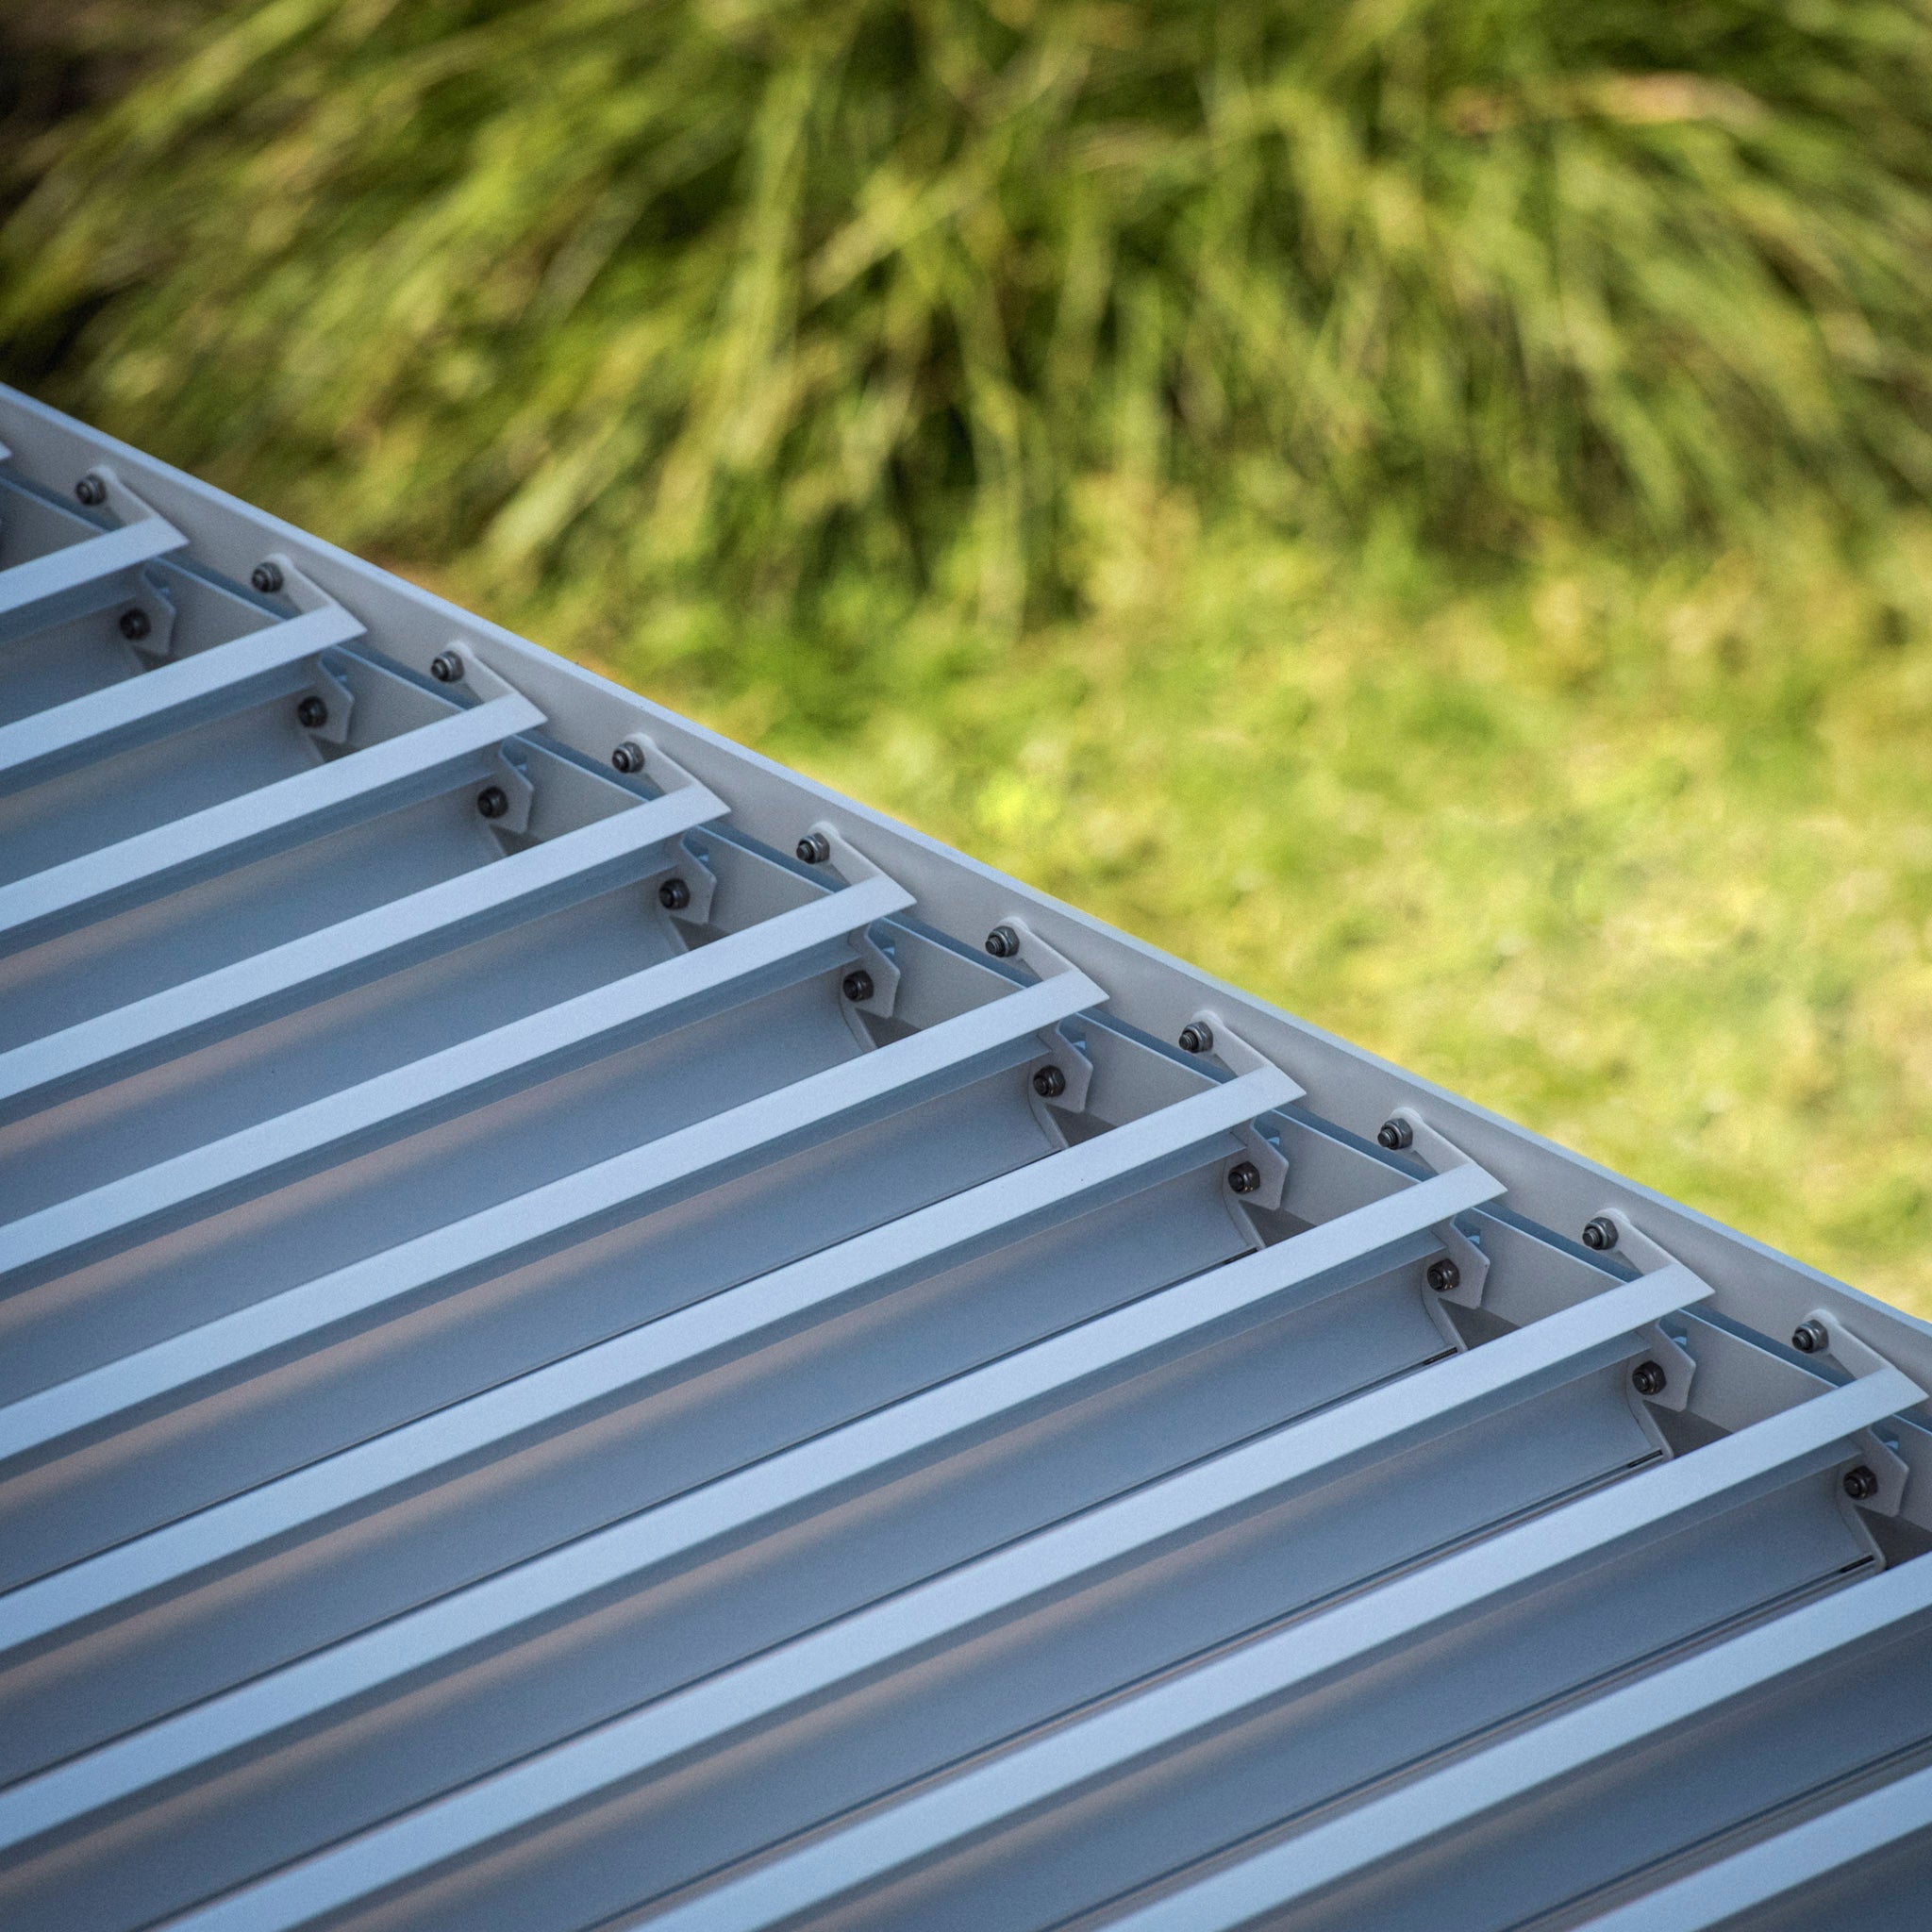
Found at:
(92, 491)
(1003, 943)
(493, 801)
(1245, 1177)
(311, 714)
(266, 577)
(1648, 1378)
(446, 667)
(856, 986)
(1049, 1083)
(673, 895)
(1861, 1484)
(1444, 1275)
(1395, 1135)
(1600, 1232)
(1196, 1037)
(814, 848)
(1809, 1337)
(135, 625)
(629, 757)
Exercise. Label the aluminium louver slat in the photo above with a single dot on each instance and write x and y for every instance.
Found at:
(1075, 1177)
(1390, 1826)
(1771, 1870)
(893, 1073)
(525, 1406)
(765, 956)
(1082, 1173)
(453, 912)
(393, 772)
(45, 589)
(757, 1692)
(166, 698)
(921, 1826)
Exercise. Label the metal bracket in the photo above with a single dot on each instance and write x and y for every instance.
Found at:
(700, 881)
(156, 646)
(338, 696)
(855, 868)
(514, 777)
(1439, 1153)
(1240, 1056)
(1063, 1051)
(1884, 1462)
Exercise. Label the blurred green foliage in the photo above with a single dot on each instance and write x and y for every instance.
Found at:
(1421, 508)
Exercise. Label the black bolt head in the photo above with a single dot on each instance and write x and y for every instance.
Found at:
(1196, 1037)
(673, 895)
(493, 801)
(1003, 943)
(1049, 1083)
(311, 714)
(135, 625)
(92, 491)
(1245, 1177)
(266, 577)
(1809, 1337)
(1600, 1232)
(629, 757)
(814, 848)
(1395, 1135)
(1444, 1275)
(1648, 1378)
(858, 986)
(446, 667)
(1862, 1485)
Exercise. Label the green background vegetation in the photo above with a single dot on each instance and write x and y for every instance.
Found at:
(1424, 508)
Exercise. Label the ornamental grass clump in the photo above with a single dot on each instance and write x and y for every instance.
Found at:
(752, 297)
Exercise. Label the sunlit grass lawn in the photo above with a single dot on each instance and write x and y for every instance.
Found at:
(1640, 856)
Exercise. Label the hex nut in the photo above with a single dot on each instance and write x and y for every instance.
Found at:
(1003, 943)
(266, 577)
(1809, 1337)
(629, 757)
(1196, 1037)
(135, 625)
(1648, 1378)
(1861, 1484)
(814, 848)
(1245, 1177)
(673, 895)
(1049, 1083)
(493, 801)
(1444, 1275)
(858, 987)
(1600, 1232)
(92, 491)
(1395, 1134)
(311, 714)
(446, 667)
